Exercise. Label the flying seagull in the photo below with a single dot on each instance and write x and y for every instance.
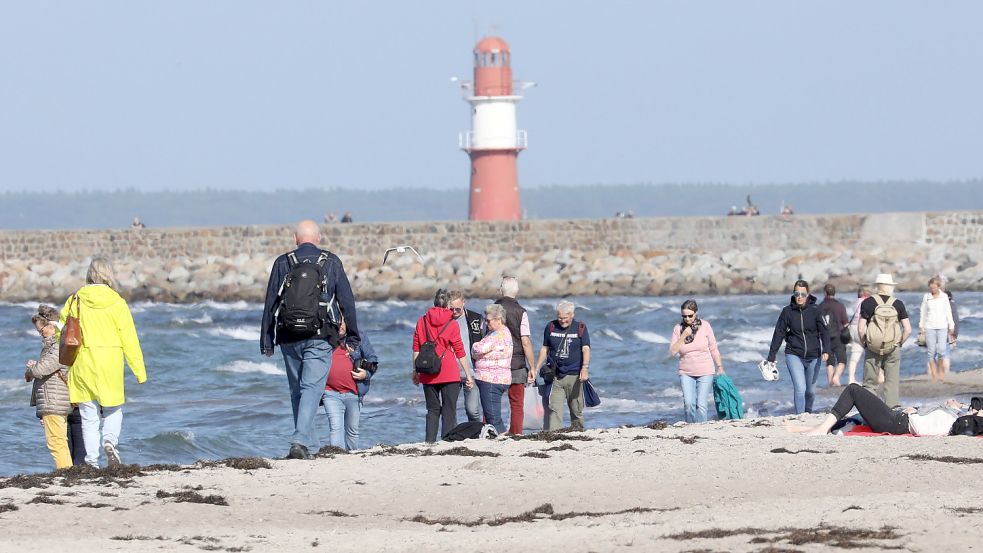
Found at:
(402, 249)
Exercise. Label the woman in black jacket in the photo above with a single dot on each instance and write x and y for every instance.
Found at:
(806, 338)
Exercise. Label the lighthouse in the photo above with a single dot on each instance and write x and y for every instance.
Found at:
(494, 141)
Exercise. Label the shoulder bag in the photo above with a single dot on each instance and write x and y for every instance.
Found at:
(71, 334)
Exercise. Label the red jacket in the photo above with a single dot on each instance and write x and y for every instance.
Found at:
(448, 341)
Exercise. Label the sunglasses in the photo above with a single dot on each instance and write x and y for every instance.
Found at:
(800, 294)
(457, 309)
(685, 316)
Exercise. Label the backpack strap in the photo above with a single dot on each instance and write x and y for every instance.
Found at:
(890, 301)
(581, 328)
(292, 260)
(878, 300)
(323, 258)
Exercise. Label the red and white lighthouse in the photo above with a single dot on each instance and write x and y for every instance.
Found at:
(494, 141)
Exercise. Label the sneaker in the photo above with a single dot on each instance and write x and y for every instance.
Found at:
(298, 451)
(769, 370)
(112, 455)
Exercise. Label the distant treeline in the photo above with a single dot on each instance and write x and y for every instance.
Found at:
(116, 209)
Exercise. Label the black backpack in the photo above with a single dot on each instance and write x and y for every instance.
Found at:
(300, 296)
(967, 425)
(427, 361)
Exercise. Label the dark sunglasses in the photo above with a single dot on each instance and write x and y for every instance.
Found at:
(457, 309)
(685, 316)
(800, 294)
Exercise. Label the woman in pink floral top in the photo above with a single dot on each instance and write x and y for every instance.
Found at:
(693, 341)
(493, 365)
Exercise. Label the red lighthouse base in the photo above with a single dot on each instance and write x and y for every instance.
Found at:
(494, 186)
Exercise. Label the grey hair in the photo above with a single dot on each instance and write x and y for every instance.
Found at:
(565, 307)
(101, 272)
(495, 311)
(442, 298)
(510, 286)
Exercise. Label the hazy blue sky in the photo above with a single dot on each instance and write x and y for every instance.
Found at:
(254, 95)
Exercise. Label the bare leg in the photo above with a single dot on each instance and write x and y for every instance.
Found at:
(838, 373)
(811, 430)
(829, 375)
(944, 369)
(932, 371)
(798, 428)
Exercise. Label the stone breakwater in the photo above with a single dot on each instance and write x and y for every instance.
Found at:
(663, 256)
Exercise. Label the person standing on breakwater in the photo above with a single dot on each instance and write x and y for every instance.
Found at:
(442, 384)
(49, 394)
(566, 347)
(95, 380)
(834, 314)
(883, 328)
(348, 382)
(694, 343)
(304, 285)
(937, 328)
(517, 321)
(470, 326)
(493, 365)
(800, 325)
(856, 348)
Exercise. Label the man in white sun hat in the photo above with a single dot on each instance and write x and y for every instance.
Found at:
(883, 328)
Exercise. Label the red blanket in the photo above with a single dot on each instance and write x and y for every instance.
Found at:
(861, 430)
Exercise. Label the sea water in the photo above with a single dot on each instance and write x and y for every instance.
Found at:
(210, 393)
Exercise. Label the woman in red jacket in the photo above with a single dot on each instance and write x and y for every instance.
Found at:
(441, 389)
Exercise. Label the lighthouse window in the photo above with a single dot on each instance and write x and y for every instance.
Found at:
(494, 59)
(476, 59)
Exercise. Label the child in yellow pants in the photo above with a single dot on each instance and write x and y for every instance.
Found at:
(50, 392)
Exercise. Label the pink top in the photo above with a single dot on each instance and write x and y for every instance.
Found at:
(696, 357)
(493, 358)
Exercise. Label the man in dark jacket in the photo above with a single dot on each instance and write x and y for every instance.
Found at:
(470, 325)
(834, 314)
(307, 356)
(517, 321)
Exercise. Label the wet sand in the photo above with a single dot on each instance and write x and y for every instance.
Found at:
(734, 486)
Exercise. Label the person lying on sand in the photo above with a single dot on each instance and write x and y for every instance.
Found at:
(931, 422)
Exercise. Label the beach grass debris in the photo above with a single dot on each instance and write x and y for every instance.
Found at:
(137, 537)
(828, 535)
(331, 513)
(639, 438)
(47, 499)
(544, 511)
(5, 507)
(238, 463)
(967, 510)
(657, 425)
(943, 459)
(853, 508)
(789, 451)
(536, 455)
(329, 451)
(552, 436)
(91, 505)
(689, 440)
(561, 447)
(193, 497)
(459, 450)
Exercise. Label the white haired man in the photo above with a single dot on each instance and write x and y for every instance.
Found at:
(883, 329)
(566, 345)
(517, 321)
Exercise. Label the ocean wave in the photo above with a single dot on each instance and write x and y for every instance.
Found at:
(611, 334)
(742, 356)
(244, 367)
(622, 405)
(246, 333)
(13, 384)
(671, 391)
(203, 320)
(240, 305)
(638, 308)
(32, 305)
(966, 313)
(650, 337)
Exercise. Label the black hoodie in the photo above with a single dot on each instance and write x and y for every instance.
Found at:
(803, 330)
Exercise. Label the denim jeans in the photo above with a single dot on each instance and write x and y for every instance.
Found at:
(112, 424)
(307, 371)
(491, 403)
(471, 401)
(343, 411)
(804, 375)
(937, 342)
(695, 392)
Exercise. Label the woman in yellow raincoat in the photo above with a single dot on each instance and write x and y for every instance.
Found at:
(96, 378)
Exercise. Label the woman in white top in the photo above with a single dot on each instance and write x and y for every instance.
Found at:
(880, 418)
(855, 348)
(936, 328)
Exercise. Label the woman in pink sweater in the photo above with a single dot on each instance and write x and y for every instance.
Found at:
(693, 341)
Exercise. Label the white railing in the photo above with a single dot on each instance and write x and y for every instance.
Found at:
(465, 141)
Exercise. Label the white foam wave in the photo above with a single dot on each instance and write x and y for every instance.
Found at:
(396, 303)
(611, 334)
(240, 305)
(742, 356)
(32, 305)
(13, 384)
(246, 333)
(621, 405)
(405, 323)
(203, 320)
(244, 367)
(650, 337)
(671, 391)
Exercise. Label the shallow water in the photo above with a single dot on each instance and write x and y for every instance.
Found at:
(212, 395)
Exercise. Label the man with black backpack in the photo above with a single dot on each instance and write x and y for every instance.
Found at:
(883, 329)
(307, 288)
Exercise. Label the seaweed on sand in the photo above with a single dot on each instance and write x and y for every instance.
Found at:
(459, 450)
(561, 447)
(944, 459)
(552, 436)
(536, 454)
(239, 463)
(193, 497)
(543, 511)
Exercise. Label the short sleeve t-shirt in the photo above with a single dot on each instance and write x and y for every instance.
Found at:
(869, 304)
(565, 346)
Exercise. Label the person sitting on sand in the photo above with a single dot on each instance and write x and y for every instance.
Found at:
(50, 392)
(880, 418)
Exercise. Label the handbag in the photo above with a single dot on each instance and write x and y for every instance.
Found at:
(845, 337)
(591, 399)
(71, 334)
(920, 340)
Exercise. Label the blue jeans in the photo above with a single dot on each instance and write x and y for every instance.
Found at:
(937, 342)
(343, 411)
(695, 392)
(307, 371)
(491, 403)
(804, 375)
(471, 401)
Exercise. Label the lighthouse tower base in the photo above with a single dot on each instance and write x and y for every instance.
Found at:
(494, 186)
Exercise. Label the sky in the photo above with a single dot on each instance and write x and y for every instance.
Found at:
(247, 95)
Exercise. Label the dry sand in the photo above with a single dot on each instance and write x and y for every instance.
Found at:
(725, 486)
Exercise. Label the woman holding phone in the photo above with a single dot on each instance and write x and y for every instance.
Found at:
(696, 346)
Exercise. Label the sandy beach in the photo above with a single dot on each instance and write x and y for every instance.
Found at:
(735, 486)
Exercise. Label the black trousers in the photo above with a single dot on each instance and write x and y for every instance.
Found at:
(878, 416)
(441, 404)
(75, 443)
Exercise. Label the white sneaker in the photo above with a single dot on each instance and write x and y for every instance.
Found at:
(769, 370)
(112, 456)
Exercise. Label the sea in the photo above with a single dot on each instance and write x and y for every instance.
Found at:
(211, 395)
